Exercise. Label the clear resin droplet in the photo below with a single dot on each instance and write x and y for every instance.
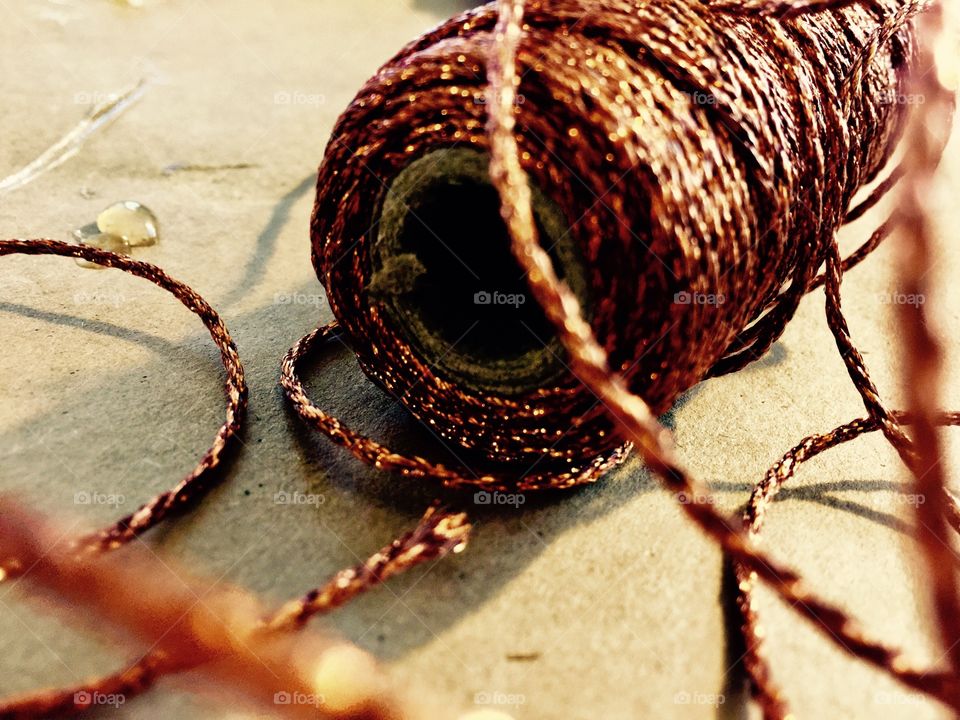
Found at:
(88, 235)
(131, 221)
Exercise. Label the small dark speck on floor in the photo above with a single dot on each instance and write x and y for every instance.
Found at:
(523, 657)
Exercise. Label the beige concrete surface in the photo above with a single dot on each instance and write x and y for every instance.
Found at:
(109, 386)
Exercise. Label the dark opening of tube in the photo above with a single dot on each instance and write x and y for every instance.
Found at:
(472, 294)
(465, 306)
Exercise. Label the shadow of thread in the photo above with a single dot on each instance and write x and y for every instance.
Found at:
(446, 8)
(136, 337)
(267, 241)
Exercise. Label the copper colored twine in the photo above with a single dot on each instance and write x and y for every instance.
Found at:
(383, 458)
(221, 632)
(71, 571)
(195, 484)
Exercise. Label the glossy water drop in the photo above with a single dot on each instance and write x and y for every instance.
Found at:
(131, 221)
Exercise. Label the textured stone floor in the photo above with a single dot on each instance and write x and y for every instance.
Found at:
(108, 387)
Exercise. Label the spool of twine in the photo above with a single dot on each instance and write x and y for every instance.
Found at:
(689, 170)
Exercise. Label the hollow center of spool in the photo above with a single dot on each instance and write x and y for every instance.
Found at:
(444, 274)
